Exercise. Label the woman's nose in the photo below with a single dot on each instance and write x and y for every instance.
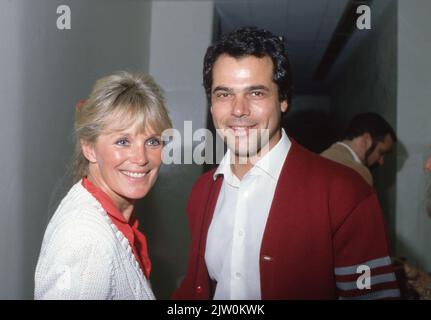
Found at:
(139, 155)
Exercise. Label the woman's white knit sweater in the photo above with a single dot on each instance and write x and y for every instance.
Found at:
(85, 256)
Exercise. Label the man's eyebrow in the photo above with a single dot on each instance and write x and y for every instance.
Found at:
(250, 88)
(258, 87)
(221, 88)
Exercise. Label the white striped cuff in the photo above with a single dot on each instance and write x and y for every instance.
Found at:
(372, 264)
(382, 294)
(381, 278)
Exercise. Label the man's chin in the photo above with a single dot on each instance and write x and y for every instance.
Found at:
(244, 155)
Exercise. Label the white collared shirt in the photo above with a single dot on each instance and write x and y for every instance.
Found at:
(236, 231)
(354, 155)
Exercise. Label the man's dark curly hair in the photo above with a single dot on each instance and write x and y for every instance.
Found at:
(372, 123)
(251, 41)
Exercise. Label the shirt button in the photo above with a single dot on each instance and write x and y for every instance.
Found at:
(198, 289)
(238, 275)
(240, 233)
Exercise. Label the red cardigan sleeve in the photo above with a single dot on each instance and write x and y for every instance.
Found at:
(363, 267)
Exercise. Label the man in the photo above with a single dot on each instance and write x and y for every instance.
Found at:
(367, 140)
(276, 221)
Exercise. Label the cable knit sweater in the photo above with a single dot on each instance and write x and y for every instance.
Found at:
(85, 256)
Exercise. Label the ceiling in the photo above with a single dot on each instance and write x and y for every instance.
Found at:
(306, 25)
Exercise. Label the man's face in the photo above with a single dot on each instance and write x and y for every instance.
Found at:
(244, 100)
(377, 156)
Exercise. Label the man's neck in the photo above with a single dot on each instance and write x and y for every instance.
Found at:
(242, 165)
(240, 170)
(354, 147)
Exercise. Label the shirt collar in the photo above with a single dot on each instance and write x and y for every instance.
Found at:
(354, 155)
(271, 163)
(106, 203)
(136, 239)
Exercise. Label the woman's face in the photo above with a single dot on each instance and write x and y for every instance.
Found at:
(124, 164)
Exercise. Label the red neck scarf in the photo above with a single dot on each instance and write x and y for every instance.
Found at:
(129, 229)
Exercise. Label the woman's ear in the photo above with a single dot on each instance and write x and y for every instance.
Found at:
(88, 150)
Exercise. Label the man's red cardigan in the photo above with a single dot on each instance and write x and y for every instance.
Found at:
(325, 221)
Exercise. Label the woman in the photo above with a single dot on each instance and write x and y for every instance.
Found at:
(92, 248)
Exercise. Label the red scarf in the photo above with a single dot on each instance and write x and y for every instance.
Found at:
(129, 229)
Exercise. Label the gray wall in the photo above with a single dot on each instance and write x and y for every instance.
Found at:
(180, 34)
(45, 71)
(368, 82)
(413, 227)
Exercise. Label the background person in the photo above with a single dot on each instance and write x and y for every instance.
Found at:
(368, 139)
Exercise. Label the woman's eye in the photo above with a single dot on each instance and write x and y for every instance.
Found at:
(122, 142)
(154, 142)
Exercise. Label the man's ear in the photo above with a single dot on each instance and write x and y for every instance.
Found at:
(88, 150)
(367, 140)
(284, 106)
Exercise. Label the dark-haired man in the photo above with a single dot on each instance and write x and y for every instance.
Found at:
(275, 221)
(367, 140)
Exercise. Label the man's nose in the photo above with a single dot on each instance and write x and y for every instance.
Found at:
(240, 107)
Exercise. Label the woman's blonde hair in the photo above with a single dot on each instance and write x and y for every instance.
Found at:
(119, 100)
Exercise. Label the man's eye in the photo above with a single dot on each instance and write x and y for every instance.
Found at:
(257, 93)
(222, 95)
(154, 142)
(122, 142)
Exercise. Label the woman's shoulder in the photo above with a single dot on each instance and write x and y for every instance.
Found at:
(79, 219)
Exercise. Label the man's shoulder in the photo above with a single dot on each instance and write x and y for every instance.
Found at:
(341, 155)
(337, 153)
(321, 170)
(207, 176)
(203, 183)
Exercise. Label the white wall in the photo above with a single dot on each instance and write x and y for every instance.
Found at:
(180, 34)
(367, 81)
(44, 72)
(413, 226)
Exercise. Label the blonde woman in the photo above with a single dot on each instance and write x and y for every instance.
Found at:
(92, 248)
